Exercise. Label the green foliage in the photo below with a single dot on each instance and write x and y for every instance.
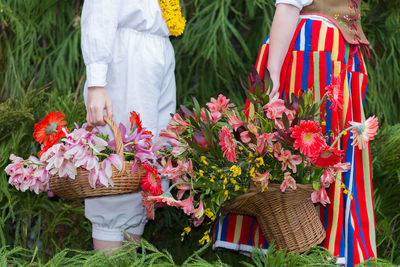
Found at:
(39, 44)
(381, 22)
(220, 43)
(386, 157)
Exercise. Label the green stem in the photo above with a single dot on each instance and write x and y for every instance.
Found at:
(30, 162)
(340, 135)
(101, 154)
(127, 144)
(172, 186)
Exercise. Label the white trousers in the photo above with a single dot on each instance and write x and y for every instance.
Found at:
(140, 78)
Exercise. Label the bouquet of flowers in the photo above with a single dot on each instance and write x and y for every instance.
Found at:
(212, 154)
(64, 152)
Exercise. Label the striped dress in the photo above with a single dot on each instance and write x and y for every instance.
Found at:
(317, 52)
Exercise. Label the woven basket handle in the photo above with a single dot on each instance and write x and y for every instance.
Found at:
(119, 146)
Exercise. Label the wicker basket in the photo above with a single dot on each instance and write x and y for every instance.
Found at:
(124, 180)
(289, 218)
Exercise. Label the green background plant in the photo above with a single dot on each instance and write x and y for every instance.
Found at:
(41, 70)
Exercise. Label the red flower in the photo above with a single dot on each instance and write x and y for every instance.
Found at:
(335, 94)
(227, 145)
(49, 130)
(135, 121)
(327, 157)
(308, 137)
(151, 182)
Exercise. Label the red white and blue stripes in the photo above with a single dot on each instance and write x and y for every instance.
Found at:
(317, 52)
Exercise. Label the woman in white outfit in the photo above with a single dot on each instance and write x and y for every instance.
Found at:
(129, 66)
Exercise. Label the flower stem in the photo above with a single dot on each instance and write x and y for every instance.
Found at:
(128, 144)
(172, 186)
(30, 162)
(101, 154)
(340, 135)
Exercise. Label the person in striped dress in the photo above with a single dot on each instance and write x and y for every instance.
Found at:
(312, 42)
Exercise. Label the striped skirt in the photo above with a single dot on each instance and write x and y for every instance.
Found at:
(317, 52)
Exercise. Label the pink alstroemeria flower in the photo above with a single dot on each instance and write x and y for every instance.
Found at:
(275, 108)
(245, 137)
(165, 199)
(363, 132)
(341, 167)
(262, 179)
(320, 196)
(234, 121)
(327, 177)
(149, 205)
(187, 205)
(177, 124)
(289, 160)
(213, 116)
(288, 181)
(221, 104)
(199, 212)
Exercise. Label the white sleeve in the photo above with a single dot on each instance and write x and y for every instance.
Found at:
(297, 3)
(99, 24)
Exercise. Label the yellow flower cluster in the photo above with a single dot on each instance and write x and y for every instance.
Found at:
(173, 16)
(346, 191)
(236, 170)
(205, 238)
(204, 160)
(186, 231)
(210, 214)
(259, 162)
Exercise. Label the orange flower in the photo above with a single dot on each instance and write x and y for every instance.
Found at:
(49, 130)
(135, 120)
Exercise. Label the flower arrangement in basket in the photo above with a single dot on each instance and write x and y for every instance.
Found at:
(218, 161)
(84, 163)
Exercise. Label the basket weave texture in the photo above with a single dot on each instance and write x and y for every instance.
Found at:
(124, 181)
(289, 219)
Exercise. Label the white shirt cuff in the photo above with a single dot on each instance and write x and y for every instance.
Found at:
(297, 3)
(96, 74)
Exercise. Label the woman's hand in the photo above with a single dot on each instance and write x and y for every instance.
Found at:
(274, 90)
(98, 99)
